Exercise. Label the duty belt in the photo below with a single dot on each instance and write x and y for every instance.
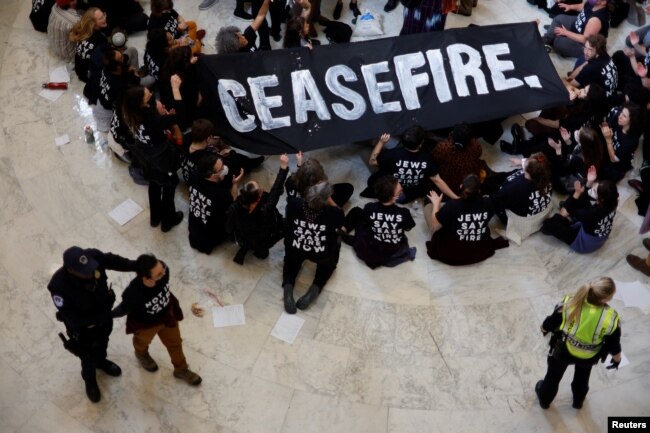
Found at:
(582, 346)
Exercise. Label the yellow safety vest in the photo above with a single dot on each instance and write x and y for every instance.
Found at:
(584, 336)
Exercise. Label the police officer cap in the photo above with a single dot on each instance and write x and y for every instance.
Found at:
(77, 260)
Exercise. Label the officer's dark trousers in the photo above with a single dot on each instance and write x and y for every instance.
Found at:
(556, 369)
(92, 348)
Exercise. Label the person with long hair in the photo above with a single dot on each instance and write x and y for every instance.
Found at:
(312, 223)
(156, 51)
(585, 220)
(585, 329)
(597, 67)
(526, 191)
(621, 131)
(88, 34)
(380, 227)
(180, 61)
(461, 234)
(254, 219)
(149, 121)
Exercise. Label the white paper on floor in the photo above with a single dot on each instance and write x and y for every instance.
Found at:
(287, 327)
(61, 140)
(125, 211)
(51, 95)
(608, 360)
(230, 315)
(59, 75)
(633, 294)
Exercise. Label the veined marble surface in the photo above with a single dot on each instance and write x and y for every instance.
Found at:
(420, 348)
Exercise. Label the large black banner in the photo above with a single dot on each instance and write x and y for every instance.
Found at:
(299, 99)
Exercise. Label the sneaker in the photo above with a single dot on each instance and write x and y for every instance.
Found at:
(538, 387)
(337, 10)
(577, 405)
(638, 263)
(178, 217)
(92, 391)
(110, 368)
(390, 5)
(188, 376)
(508, 148)
(243, 15)
(206, 4)
(147, 362)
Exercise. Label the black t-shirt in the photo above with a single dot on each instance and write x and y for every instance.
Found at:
(40, 14)
(312, 235)
(251, 37)
(190, 162)
(168, 21)
(410, 168)
(209, 202)
(148, 305)
(596, 220)
(388, 223)
(601, 71)
(520, 196)
(624, 144)
(84, 52)
(586, 14)
(467, 219)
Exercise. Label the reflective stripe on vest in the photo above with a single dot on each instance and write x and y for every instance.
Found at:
(585, 335)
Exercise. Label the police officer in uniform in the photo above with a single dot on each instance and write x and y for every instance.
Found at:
(84, 300)
(585, 329)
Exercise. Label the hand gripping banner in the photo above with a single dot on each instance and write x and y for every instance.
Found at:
(280, 101)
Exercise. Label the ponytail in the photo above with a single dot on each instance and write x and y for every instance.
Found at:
(596, 292)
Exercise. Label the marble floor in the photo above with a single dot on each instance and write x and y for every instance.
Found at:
(420, 348)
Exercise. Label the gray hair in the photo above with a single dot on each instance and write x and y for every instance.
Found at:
(227, 40)
(318, 195)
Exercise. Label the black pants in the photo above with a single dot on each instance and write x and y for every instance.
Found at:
(92, 345)
(560, 227)
(341, 193)
(554, 373)
(324, 268)
(161, 202)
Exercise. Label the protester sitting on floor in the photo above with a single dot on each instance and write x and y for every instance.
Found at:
(567, 34)
(585, 220)
(156, 51)
(88, 34)
(311, 234)
(408, 163)
(380, 227)
(230, 39)
(254, 219)
(597, 68)
(125, 14)
(210, 198)
(62, 19)
(458, 156)
(621, 131)
(461, 234)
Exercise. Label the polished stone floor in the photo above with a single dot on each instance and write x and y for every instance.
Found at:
(419, 348)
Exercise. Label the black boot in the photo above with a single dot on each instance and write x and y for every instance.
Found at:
(240, 256)
(92, 390)
(110, 368)
(390, 5)
(308, 297)
(178, 217)
(289, 303)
